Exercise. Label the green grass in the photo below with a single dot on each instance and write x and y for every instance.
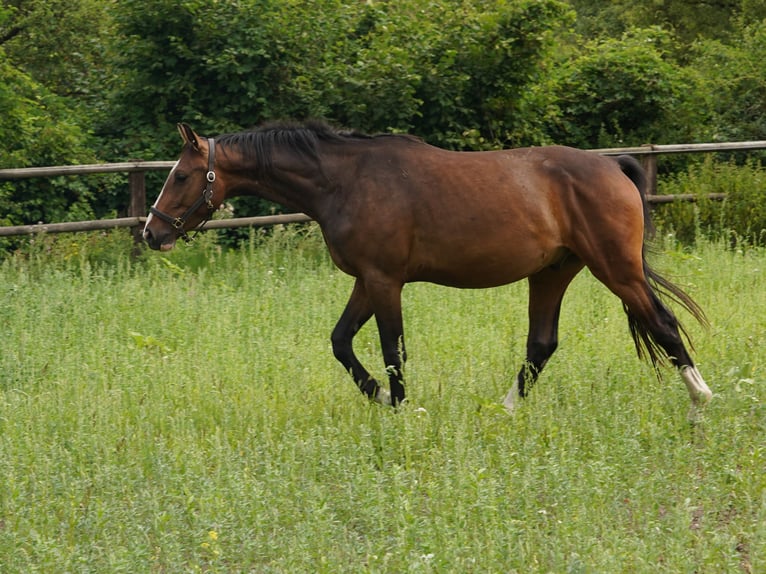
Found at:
(185, 414)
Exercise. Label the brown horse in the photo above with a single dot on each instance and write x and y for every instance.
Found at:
(394, 210)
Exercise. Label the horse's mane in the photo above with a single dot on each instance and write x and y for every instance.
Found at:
(302, 139)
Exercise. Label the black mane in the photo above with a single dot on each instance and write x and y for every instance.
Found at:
(302, 139)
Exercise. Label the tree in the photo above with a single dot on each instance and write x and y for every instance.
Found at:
(37, 128)
(687, 20)
(735, 78)
(61, 44)
(438, 69)
(625, 92)
(51, 54)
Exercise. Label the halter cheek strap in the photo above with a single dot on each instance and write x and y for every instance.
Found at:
(206, 198)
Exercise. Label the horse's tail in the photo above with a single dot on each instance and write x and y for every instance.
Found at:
(659, 285)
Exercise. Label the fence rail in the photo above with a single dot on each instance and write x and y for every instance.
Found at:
(137, 170)
(658, 149)
(138, 222)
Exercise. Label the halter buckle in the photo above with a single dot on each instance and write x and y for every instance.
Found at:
(207, 195)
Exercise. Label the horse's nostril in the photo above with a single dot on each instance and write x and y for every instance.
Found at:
(151, 239)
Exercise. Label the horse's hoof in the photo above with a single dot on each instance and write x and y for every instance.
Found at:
(383, 397)
(699, 392)
(510, 400)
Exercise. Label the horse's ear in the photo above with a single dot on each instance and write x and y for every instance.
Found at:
(188, 135)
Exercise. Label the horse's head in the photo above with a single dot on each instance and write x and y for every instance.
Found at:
(188, 197)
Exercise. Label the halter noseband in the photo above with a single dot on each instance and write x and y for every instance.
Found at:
(206, 198)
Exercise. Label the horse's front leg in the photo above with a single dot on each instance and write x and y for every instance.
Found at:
(357, 312)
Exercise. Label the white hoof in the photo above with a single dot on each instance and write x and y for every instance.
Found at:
(699, 392)
(510, 400)
(383, 396)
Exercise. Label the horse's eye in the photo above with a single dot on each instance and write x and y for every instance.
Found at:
(180, 177)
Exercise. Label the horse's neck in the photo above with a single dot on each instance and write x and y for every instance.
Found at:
(295, 184)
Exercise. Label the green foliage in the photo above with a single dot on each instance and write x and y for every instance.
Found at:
(740, 218)
(37, 129)
(437, 69)
(688, 20)
(103, 251)
(157, 421)
(62, 44)
(467, 72)
(52, 56)
(623, 93)
(736, 81)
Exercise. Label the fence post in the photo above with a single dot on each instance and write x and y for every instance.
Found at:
(137, 206)
(649, 163)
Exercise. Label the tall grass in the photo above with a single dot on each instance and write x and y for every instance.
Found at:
(183, 413)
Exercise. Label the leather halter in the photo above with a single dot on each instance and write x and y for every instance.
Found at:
(206, 198)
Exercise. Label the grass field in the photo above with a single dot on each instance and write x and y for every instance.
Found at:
(185, 414)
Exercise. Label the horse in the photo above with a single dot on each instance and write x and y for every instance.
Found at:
(394, 210)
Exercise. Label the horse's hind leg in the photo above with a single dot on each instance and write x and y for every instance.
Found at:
(546, 291)
(654, 325)
(655, 329)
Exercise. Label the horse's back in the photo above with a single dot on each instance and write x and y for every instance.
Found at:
(480, 219)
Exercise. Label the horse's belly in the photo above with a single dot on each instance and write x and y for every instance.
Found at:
(478, 272)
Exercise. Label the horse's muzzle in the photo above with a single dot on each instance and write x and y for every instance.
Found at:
(163, 242)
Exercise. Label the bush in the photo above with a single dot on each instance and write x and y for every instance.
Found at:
(624, 92)
(736, 83)
(740, 218)
(38, 129)
(436, 69)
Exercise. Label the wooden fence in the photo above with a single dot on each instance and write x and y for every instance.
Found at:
(137, 187)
